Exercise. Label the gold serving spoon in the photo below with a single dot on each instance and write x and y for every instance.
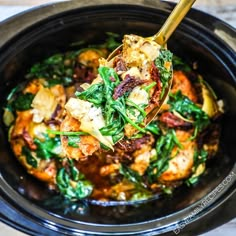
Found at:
(161, 37)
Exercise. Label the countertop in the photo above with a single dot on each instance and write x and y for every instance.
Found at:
(223, 9)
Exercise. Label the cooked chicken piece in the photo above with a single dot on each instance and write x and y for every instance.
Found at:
(87, 144)
(45, 171)
(182, 83)
(90, 118)
(141, 162)
(34, 86)
(109, 169)
(90, 58)
(142, 157)
(24, 118)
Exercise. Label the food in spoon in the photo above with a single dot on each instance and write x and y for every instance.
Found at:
(72, 124)
(115, 104)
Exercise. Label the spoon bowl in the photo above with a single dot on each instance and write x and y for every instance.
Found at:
(161, 37)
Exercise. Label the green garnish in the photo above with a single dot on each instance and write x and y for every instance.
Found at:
(189, 110)
(30, 159)
(164, 146)
(73, 141)
(23, 101)
(66, 133)
(72, 184)
(165, 74)
(179, 64)
(50, 147)
(114, 111)
(200, 157)
(131, 175)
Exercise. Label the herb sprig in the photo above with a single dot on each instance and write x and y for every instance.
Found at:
(72, 184)
(165, 73)
(164, 146)
(189, 110)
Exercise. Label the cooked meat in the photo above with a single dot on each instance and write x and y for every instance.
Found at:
(182, 83)
(87, 144)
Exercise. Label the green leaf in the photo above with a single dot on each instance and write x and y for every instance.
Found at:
(179, 64)
(192, 180)
(66, 133)
(50, 147)
(114, 109)
(80, 188)
(54, 69)
(141, 195)
(111, 42)
(62, 178)
(23, 101)
(153, 128)
(73, 141)
(94, 94)
(83, 189)
(129, 174)
(30, 159)
(189, 110)
(200, 156)
(164, 146)
(165, 74)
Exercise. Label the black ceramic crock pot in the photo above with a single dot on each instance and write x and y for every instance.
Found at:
(38, 33)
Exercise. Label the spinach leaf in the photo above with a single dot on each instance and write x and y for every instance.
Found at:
(113, 128)
(200, 157)
(30, 159)
(112, 42)
(153, 128)
(164, 146)
(188, 109)
(66, 133)
(54, 69)
(140, 192)
(73, 141)
(179, 64)
(192, 180)
(50, 147)
(129, 174)
(23, 101)
(165, 74)
(94, 94)
(119, 106)
(72, 184)
(114, 109)
(140, 108)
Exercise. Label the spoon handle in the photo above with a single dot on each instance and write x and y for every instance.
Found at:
(173, 21)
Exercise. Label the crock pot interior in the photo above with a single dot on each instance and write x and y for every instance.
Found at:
(191, 41)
